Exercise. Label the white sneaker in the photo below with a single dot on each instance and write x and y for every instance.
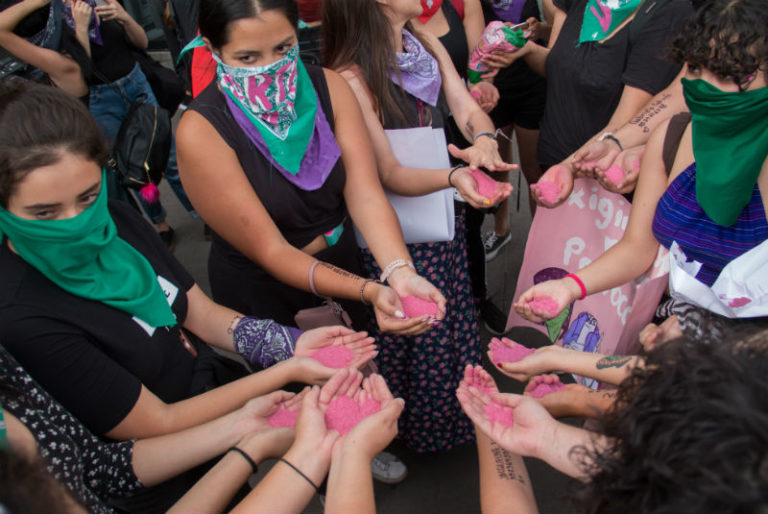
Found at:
(492, 242)
(387, 468)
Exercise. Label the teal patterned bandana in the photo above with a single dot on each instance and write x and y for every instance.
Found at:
(601, 17)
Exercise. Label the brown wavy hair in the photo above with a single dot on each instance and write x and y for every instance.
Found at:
(358, 32)
(727, 37)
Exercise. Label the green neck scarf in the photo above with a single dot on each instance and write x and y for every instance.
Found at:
(85, 257)
(730, 143)
(601, 17)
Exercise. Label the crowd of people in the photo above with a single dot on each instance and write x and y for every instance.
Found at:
(124, 387)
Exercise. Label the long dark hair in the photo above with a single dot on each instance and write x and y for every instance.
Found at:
(358, 32)
(38, 122)
(727, 37)
(216, 15)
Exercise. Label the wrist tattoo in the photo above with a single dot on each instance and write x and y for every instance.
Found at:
(642, 119)
(505, 468)
(613, 361)
(233, 324)
(470, 128)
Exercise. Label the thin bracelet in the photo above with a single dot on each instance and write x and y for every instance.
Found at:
(254, 467)
(312, 278)
(581, 284)
(297, 470)
(362, 290)
(453, 170)
(609, 135)
(392, 266)
(489, 134)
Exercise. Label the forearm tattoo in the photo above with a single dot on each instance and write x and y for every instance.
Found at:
(470, 129)
(339, 271)
(505, 467)
(642, 119)
(613, 361)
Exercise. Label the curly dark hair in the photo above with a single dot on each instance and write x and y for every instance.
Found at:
(690, 432)
(727, 37)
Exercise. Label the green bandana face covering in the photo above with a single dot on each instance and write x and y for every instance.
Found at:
(85, 257)
(601, 17)
(730, 143)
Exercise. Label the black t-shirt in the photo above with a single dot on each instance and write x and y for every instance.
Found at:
(91, 357)
(585, 82)
(113, 59)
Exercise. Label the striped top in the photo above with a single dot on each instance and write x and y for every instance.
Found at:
(680, 218)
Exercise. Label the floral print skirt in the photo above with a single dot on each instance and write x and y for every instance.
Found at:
(425, 370)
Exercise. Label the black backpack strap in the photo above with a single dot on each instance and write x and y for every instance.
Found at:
(675, 130)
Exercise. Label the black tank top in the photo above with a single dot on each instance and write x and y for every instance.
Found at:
(455, 40)
(300, 215)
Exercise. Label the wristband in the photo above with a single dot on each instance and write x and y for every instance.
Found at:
(392, 266)
(580, 283)
(609, 135)
(453, 170)
(247, 457)
(312, 278)
(297, 470)
(477, 136)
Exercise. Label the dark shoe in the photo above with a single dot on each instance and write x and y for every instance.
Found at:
(494, 320)
(169, 238)
(387, 468)
(492, 242)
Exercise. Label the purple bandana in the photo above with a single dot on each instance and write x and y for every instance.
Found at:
(319, 160)
(419, 71)
(508, 10)
(94, 35)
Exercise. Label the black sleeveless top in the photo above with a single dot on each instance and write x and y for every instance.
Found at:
(300, 215)
(455, 40)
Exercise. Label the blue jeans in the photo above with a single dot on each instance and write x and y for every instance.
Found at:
(110, 108)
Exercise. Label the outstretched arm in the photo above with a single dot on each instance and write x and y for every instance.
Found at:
(504, 482)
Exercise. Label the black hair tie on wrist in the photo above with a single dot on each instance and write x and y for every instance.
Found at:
(247, 457)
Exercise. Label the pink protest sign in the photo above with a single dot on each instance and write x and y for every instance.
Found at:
(564, 240)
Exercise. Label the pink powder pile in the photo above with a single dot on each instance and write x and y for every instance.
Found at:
(739, 302)
(502, 353)
(615, 174)
(500, 414)
(544, 304)
(476, 94)
(283, 418)
(344, 413)
(486, 186)
(414, 307)
(542, 389)
(549, 191)
(334, 356)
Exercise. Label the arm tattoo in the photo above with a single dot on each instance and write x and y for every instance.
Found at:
(505, 468)
(470, 129)
(339, 271)
(613, 361)
(646, 114)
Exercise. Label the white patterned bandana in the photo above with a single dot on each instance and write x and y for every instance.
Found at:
(268, 92)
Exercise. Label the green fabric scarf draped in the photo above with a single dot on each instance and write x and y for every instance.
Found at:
(85, 257)
(601, 17)
(730, 143)
(289, 152)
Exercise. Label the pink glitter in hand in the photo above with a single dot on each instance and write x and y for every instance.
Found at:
(476, 94)
(333, 356)
(549, 191)
(414, 307)
(542, 389)
(283, 418)
(615, 174)
(500, 414)
(503, 353)
(544, 304)
(344, 413)
(486, 186)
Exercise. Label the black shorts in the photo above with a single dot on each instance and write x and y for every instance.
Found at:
(523, 95)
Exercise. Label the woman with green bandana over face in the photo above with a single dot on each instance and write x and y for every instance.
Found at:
(276, 158)
(710, 211)
(100, 313)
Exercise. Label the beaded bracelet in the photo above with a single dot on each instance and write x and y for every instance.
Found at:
(392, 266)
(362, 290)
